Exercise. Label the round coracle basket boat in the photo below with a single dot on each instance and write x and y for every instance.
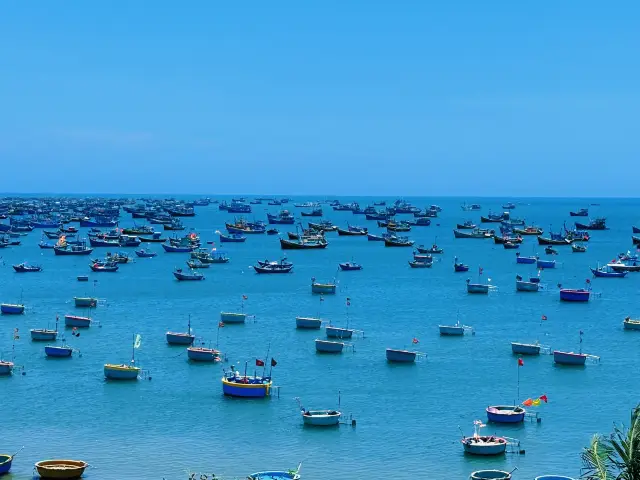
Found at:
(490, 475)
(61, 469)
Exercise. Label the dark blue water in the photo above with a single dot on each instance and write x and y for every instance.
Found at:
(408, 417)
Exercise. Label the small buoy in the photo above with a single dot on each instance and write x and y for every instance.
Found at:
(149, 377)
(353, 422)
(24, 373)
(538, 419)
(521, 452)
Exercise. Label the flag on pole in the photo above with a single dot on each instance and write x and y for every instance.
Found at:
(348, 301)
(536, 402)
(273, 362)
(544, 398)
(415, 340)
(220, 324)
(544, 317)
(138, 341)
(528, 402)
(16, 334)
(520, 362)
(259, 363)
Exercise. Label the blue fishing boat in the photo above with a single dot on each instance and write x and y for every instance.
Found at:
(11, 309)
(525, 260)
(273, 267)
(376, 238)
(26, 268)
(328, 346)
(505, 414)
(237, 207)
(352, 231)
(401, 356)
(65, 248)
(308, 323)
(203, 354)
(55, 351)
(458, 266)
(187, 338)
(283, 218)
(573, 295)
(155, 238)
(272, 231)
(348, 266)
(169, 248)
(276, 475)
(234, 237)
(145, 253)
(192, 276)
(605, 272)
(540, 263)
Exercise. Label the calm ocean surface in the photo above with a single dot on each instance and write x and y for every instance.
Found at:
(407, 415)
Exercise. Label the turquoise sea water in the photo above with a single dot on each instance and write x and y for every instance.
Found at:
(408, 416)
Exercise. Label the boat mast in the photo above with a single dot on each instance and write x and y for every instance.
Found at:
(264, 367)
(189, 325)
(581, 333)
(133, 349)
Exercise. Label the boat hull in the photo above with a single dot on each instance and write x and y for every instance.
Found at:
(308, 323)
(631, 325)
(487, 450)
(180, 338)
(525, 348)
(121, 372)
(326, 289)
(569, 358)
(9, 309)
(451, 330)
(6, 368)
(326, 346)
(203, 354)
(60, 469)
(490, 475)
(5, 463)
(321, 418)
(43, 335)
(400, 356)
(574, 295)
(85, 302)
(255, 390)
(505, 414)
(477, 288)
(58, 352)
(76, 321)
(227, 317)
(527, 286)
(334, 332)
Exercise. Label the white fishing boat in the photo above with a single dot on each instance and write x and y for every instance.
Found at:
(456, 329)
(630, 324)
(483, 444)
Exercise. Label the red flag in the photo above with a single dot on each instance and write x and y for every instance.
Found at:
(415, 340)
(220, 324)
(273, 362)
(543, 398)
(259, 363)
(520, 362)
(528, 402)
(544, 317)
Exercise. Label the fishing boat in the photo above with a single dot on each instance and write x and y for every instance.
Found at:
(77, 321)
(26, 268)
(241, 226)
(528, 230)
(456, 329)
(629, 324)
(232, 238)
(541, 263)
(525, 348)
(316, 212)
(230, 317)
(203, 354)
(87, 302)
(348, 266)
(104, 267)
(401, 356)
(272, 231)
(621, 266)
(191, 276)
(43, 334)
(607, 272)
(491, 218)
(273, 267)
(525, 260)
(483, 444)
(180, 338)
(308, 323)
(459, 267)
(61, 469)
(577, 248)
(58, 351)
(395, 241)
(323, 226)
(328, 346)
(174, 225)
(550, 251)
(155, 238)
(420, 263)
(46, 245)
(124, 371)
(276, 475)
(505, 414)
(303, 244)
(583, 212)
(322, 288)
(353, 231)
(66, 248)
(553, 240)
(506, 239)
(433, 250)
(11, 309)
(524, 286)
(236, 385)
(169, 248)
(494, 475)
(283, 218)
(467, 225)
(145, 253)
(510, 246)
(376, 238)
(321, 418)
(596, 224)
(475, 233)
(5, 462)
(572, 358)
(574, 295)
(197, 263)
(6, 367)
(477, 288)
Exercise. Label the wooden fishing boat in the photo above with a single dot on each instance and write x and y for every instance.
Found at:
(596, 224)
(88, 302)
(328, 346)
(583, 212)
(236, 385)
(282, 218)
(25, 268)
(192, 276)
(528, 230)
(322, 288)
(308, 323)
(468, 225)
(68, 249)
(193, 264)
(43, 334)
(606, 272)
(6, 367)
(569, 358)
(77, 321)
(395, 241)
(125, 371)
(303, 244)
(553, 241)
(230, 317)
(483, 444)
(550, 251)
(524, 286)
(541, 263)
(155, 238)
(5, 463)
(506, 239)
(60, 469)
(232, 238)
(352, 231)
(401, 356)
(375, 238)
(145, 253)
(475, 233)
(321, 418)
(203, 354)
(11, 309)
(505, 414)
(55, 351)
(629, 324)
(493, 218)
(510, 246)
(477, 288)
(181, 338)
(620, 266)
(273, 267)
(577, 248)
(574, 295)
(418, 263)
(348, 266)
(525, 260)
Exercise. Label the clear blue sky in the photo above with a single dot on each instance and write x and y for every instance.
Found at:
(336, 97)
